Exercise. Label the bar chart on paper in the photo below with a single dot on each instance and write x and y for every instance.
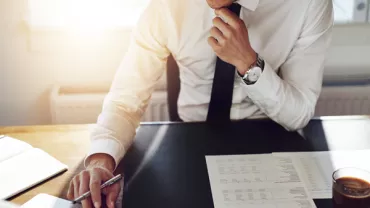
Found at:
(316, 168)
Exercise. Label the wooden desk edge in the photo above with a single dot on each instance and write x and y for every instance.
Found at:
(83, 127)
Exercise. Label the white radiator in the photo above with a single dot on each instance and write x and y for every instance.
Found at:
(334, 101)
(79, 105)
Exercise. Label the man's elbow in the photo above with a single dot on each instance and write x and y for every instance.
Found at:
(300, 120)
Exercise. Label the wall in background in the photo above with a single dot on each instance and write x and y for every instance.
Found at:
(29, 66)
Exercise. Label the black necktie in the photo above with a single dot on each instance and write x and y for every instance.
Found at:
(223, 85)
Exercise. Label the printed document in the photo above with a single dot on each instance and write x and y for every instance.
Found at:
(256, 181)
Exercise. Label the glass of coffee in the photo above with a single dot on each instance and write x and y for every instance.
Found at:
(351, 188)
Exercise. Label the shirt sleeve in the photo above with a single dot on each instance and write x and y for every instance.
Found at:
(290, 99)
(142, 66)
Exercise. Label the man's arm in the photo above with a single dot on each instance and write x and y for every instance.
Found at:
(143, 65)
(291, 98)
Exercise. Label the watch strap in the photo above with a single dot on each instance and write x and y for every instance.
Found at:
(260, 62)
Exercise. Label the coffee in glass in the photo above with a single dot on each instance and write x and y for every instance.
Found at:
(351, 188)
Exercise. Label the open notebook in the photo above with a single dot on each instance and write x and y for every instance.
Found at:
(22, 166)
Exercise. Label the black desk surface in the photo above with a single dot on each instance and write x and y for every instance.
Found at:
(166, 165)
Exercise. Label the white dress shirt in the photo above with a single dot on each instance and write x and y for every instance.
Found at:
(291, 35)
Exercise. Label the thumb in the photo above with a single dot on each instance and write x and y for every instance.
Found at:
(112, 195)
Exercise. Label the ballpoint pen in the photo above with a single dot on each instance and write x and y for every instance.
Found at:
(110, 182)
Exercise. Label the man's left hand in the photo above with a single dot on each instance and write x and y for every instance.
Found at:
(230, 40)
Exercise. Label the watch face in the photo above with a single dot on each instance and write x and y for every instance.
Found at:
(254, 74)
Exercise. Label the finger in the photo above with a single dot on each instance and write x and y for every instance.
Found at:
(112, 195)
(84, 187)
(217, 34)
(213, 43)
(228, 16)
(222, 26)
(70, 192)
(95, 182)
(76, 186)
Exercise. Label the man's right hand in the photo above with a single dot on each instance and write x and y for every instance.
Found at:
(99, 169)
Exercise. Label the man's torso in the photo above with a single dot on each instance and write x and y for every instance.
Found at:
(274, 28)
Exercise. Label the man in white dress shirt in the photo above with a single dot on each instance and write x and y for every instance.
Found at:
(273, 54)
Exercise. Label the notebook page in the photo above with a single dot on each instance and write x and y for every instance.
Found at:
(10, 147)
(26, 170)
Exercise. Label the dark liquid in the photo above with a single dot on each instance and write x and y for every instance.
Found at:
(351, 193)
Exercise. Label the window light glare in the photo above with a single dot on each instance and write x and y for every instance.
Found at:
(85, 15)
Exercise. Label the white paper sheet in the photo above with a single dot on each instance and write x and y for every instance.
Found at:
(48, 201)
(256, 181)
(6, 204)
(316, 168)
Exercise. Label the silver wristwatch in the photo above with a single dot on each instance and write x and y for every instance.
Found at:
(254, 72)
